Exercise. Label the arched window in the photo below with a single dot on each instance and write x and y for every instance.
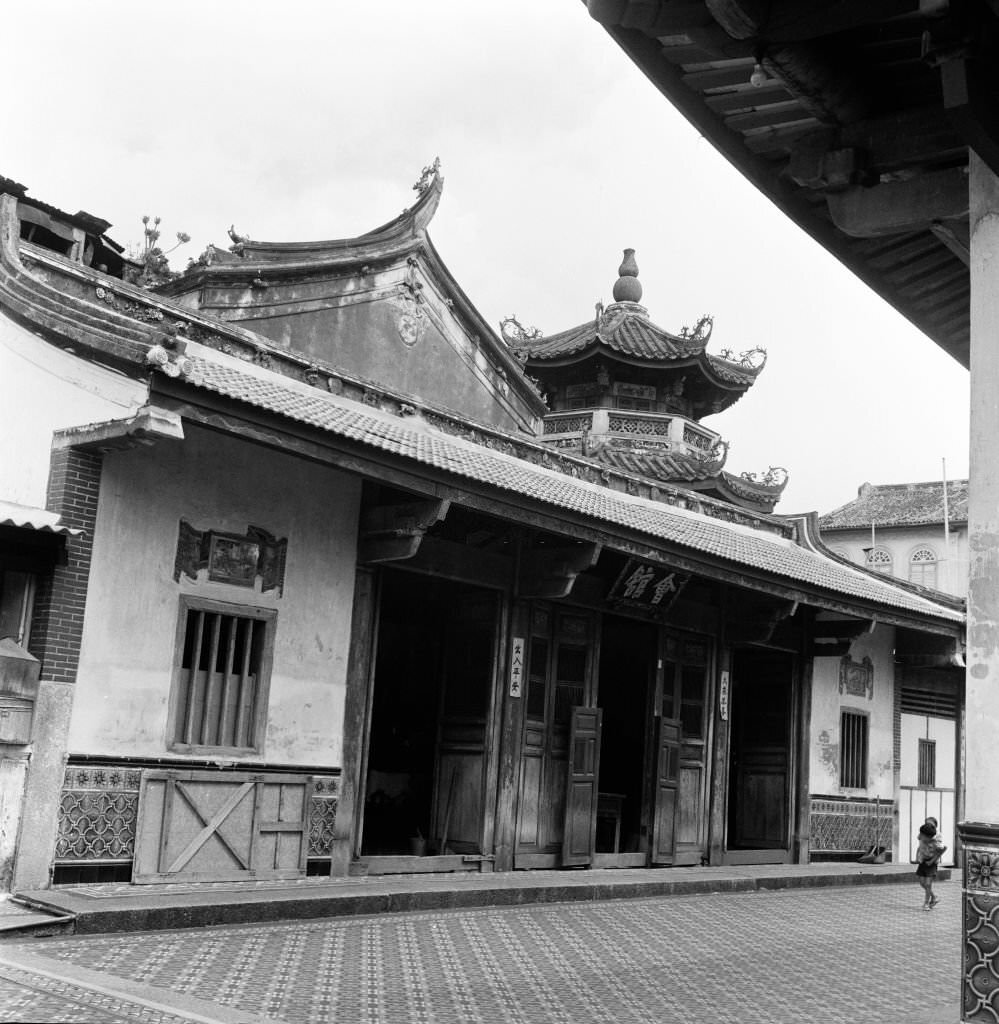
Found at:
(880, 560)
(923, 567)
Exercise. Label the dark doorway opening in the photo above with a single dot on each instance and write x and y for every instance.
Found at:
(430, 708)
(628, 651)
(759, 796)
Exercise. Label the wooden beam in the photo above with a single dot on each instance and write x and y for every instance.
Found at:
(391, 533)
(551, 572)
(757, 625)
(842, 629)
(899, 206)
(787, 21)
(893, 142)
(970, 105)
(956, 236)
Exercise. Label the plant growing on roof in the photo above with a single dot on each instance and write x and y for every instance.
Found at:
(151, 259)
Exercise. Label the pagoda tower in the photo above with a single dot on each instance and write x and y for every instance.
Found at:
(628, 393)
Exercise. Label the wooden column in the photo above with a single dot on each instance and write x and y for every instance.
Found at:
(718, 808)
(801, 838)
(508, 781)
(979, 833)
(356, 719)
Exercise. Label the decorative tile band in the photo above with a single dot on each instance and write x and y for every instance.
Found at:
(981, 944)
(848, 825)
(980, 881)
(98, 809)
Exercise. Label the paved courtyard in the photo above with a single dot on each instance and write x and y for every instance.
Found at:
(847, 955)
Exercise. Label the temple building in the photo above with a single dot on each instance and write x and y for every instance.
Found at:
(322, 587)
(629, 394)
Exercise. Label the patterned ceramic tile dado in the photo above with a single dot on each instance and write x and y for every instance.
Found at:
(843, 956)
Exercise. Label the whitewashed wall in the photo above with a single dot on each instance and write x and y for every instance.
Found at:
(215, 481)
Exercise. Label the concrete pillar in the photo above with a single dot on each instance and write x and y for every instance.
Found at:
(979, 833)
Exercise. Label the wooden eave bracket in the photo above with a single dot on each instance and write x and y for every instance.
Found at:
(393, 533)
(899, 207)
(551, 572)
(148, 426)
(834, 639)
(759, 625)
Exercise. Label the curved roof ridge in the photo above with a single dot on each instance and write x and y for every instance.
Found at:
(409, 224)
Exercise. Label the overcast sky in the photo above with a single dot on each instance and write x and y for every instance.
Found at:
(300, 120)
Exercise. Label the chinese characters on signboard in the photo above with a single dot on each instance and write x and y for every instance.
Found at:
(517, 666)
(655, 586)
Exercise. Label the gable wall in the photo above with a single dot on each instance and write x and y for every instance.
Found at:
(391, 326)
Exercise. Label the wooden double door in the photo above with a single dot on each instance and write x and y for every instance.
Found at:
(615, 741)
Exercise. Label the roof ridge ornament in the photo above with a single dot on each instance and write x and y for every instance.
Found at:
(752, 359)
(427, 176)
(628, 288)
(700, 333)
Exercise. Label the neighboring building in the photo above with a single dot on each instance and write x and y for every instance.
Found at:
(333, 601)
(907, 531)
(911, 532)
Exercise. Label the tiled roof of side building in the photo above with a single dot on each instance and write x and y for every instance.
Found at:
(913, 504)
(414, 439)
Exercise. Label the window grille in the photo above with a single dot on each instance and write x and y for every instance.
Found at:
(923, 568)
(853, 728)
(880, 560)
(222, 676)
(927, 764)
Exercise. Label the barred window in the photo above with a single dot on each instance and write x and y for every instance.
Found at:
(222, 676)
(923, 567)
(927, 764)
(853, 728)
(880, 560)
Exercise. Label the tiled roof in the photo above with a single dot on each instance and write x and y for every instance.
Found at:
(915, 504)
(669, 466)
(624, 327)
(414, 439)
(631, 335)
(26, 517)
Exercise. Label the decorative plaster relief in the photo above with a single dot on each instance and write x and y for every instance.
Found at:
(231, 558)
(856, 678)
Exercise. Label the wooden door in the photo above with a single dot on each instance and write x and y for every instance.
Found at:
(685, 699)
(221, 826)
(666, 784)
(581, 791)
(760, 759)
(559, 662)
(468, 664)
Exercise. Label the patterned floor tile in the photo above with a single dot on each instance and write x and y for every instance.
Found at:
(830, 956)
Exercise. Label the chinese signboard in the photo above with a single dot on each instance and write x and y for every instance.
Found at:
(517, 667)
(654, 586)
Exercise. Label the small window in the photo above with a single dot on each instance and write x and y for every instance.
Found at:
(880, 560)
(927, 764)
(222, 676)
(853, 728)
(923, 568)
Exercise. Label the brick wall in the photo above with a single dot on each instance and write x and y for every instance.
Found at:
(57, 623)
